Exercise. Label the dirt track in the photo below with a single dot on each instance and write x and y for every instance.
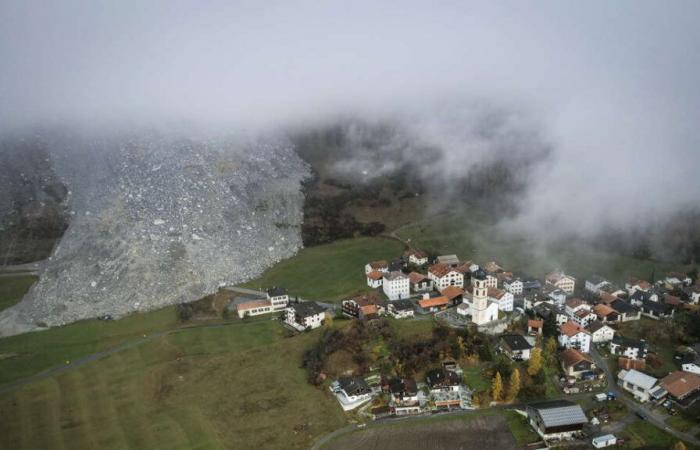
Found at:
(484, 432)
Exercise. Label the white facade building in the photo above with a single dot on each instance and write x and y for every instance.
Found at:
(513, 285)
(306, 315)
(572, 335)
(502, 298)
(482, 311)
(278, 297)
(601, 332)
(443, 275)
(562, 281)
(396, 285)
(637, 383)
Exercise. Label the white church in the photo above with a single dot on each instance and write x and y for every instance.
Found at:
(478, 305)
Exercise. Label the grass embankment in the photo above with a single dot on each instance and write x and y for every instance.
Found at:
(237, 386)
(473, 237)
(330, 272)
(681, 423)
(641, 434)
(13, 288)
(520, 428)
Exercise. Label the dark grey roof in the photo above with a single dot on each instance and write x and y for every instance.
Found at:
(516, 342)
(623, 307)
(558, 413)
(403, 387)
(480, 274)
(354, 385)
(595, 326)
(640, 296)
(659, 308)
(531, 285)
(402, 305)
(306, 309)
(276, 291)
(441, 378)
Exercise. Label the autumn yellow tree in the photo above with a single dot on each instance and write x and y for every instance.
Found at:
(535, 364)
(551, 346)
(514, 385)
(497, 387)
(679, 446)
(328, 322)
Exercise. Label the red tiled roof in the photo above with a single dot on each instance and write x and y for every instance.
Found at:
(535, 323)
(440, 269)
(572, 356)
(379, 264)
(571, 329)
(496, 293)
(452, 292)
(435, 301)
(253, 304)
(679, 384)
(375, 275)
(415, 277)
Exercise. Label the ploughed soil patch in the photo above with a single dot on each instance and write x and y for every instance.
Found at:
(482, 432)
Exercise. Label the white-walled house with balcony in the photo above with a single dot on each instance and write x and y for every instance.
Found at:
(573, 335)
(561, 281)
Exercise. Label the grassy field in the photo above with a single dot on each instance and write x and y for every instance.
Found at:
(520, 428)
(13, 288)
(328, 272)
(472, 238)
(641, 434)
(681, 423)
(237, 386)
(29, 353)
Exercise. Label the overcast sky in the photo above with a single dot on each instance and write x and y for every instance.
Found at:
(616, 85)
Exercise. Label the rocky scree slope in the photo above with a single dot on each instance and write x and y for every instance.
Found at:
(156, 220)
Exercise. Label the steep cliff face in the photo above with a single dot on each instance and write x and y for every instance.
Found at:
(156, 220)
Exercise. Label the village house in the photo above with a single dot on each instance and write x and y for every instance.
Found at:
(554, 294)
(693, 293)
(600, 332)
(366, 306)
(573, 335)
(420, 282)
(656, 310)
(492, 268)
(444, 275)
(574, 363)
(401, 309)
(635, 284)
(379, 266)
(639, 384)
(278, 297)
(416, 257)
(450, 260)
(573, 305)
(375, 279)
(556, 419)
(404, 396)
(502, 298)
(444, 386)
(396, 285)
(681, 386)
(638, 297)
(584, 317)
(432, 302)
(627, 347)
(596, 283)
(675, 280)
(606, 314)
(626, 311)
(513, 285)
(516, 347)
(545, 310)
(561, 281)
(491, 281)
(534, 327)
(351, 392)
(454, 294)
(304, 316)
(247, 307)
(627, 363)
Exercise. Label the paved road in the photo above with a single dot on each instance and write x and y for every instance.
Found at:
(103, 354)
